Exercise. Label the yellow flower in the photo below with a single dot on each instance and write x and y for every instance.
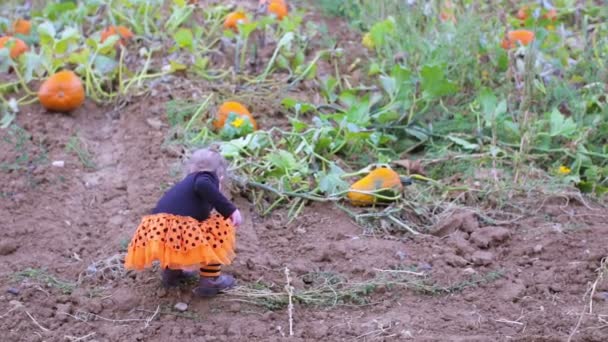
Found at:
(367, 41)
(551, 27)
(564, 170)
(238, 122)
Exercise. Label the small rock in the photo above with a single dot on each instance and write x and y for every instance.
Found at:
(401, 255)
(424, 267)
(454, 260)
(94, 306)
(250, 264)
(63, 310)
(489, 236)
(469, 271)
(13, 290)
(91, 269)
(8, 247)
(125, 299)
(15, 303)
(512, 291)
(172, 151)
(58, 163)
(463, 220)
(481, 258)
(601, 296)
(538, 248)
(154, 123)
(161, 292)
(181, 307)
(459, 242)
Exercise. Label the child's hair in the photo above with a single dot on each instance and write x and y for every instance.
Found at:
(207, 159)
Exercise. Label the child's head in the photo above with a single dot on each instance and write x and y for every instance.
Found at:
(209, 160)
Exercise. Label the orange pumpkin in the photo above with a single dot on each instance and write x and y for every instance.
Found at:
(19, 47)
(382, 180)
(232, 107)
(523, 37)
(124, 33)
(62, 92)
(276, 7)
(551, 15)
(233, 19)
(522, 14)
(22, 26)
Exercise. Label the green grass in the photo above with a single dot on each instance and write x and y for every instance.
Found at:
(42, 277)
(76, 145)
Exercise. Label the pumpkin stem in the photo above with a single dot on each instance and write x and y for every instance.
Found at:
(405, 180)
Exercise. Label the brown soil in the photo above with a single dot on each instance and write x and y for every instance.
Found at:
(65, 219)
(64, 231)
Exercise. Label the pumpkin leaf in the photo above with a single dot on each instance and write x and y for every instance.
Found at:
(104, 65)
(283, 161)
(560, 125)
(47, 33)
(331, 182)
(463, 143)
(32, 62)
(5, 60)
(434, 83)
(184, 38)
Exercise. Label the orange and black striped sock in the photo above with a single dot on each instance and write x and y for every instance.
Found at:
(211, 270)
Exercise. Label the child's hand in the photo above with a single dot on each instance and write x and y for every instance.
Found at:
(236, 218)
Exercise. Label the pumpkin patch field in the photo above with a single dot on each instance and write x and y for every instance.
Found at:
(406, 169)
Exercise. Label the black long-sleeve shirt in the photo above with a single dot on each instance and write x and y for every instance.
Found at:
(195, 196)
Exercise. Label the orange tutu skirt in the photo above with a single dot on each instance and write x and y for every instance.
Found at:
(180, 242)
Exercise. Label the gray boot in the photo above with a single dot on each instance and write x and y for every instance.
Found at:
(211, 286)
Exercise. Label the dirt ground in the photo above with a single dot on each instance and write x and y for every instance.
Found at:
(64, 229)
(73, 222)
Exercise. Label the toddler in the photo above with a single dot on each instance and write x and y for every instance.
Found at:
(191, 228)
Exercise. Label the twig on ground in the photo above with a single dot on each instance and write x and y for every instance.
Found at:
(36, 322)
(419, 274)
(289, 290)
(75, 339)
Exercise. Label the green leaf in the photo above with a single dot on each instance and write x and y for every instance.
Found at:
(80, 57)
(176, 66)
(32, 62)
(283, 161)
(5, 60)
(332, 182)
(108, 46)
(434, 83)
(560, 125)
(488, 101)
(68, 36)
(299, 107)
(47, 33)
(104, 65)
(463, 143)
(184, 38)
(389, 85)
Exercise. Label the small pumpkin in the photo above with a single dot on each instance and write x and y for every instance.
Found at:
(551, 15)
(19, 47)
(522, 13)
(233, 19)
(62, 92)
(523, 37)
(123, 31)
(382, 180)
(232, 107)
(276, 7)
(22, 26)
